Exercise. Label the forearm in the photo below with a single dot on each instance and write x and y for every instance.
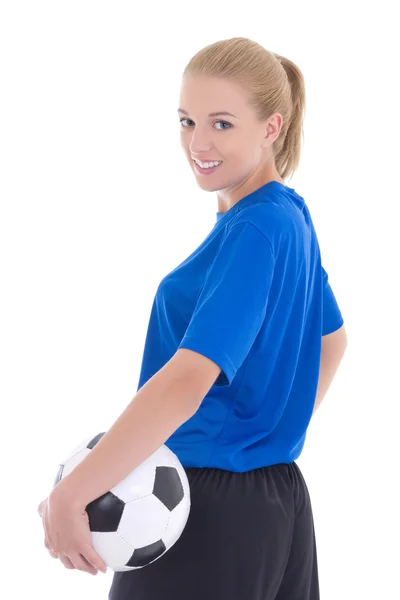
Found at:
(329, 365)
(162, 405)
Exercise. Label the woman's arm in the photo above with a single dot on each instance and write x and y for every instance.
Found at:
(333, 348)
(163, 404)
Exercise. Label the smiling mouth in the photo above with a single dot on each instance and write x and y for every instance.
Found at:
(220, 162)
(206, 161)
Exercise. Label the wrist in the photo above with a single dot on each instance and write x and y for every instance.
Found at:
(64, 494)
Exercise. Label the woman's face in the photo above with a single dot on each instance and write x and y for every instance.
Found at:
(239, 140)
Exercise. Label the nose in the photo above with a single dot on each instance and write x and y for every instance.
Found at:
(199, 142)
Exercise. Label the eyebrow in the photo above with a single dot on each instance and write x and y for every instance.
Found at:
(213, 114)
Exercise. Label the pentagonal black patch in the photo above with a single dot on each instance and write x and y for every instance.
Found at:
(105, 513)
(143, 556)
(58, 476)
(95, 440)
(168, 487)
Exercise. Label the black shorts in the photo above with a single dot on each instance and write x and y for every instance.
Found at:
(249, 536)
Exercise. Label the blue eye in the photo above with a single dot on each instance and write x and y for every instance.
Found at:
(224, 122)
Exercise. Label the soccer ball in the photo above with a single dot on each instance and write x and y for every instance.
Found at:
(141, 517)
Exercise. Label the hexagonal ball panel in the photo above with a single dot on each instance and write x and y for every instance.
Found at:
(143, 522)
(115, 551)
(138, 484)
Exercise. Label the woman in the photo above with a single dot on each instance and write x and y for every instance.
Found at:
(235, 362)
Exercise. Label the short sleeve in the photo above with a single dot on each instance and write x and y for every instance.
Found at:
(232, 303)
(332, 318)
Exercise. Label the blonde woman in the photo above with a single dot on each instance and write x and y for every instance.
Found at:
(244, 339)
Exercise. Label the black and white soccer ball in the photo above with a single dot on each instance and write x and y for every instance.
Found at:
(141, 517)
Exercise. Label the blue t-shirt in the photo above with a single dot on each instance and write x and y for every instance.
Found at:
(255, 299)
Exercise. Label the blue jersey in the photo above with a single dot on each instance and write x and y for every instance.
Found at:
(255, 299)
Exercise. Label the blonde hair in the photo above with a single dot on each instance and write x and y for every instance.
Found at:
(274, 82)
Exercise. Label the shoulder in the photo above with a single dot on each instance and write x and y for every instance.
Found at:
(269, 218)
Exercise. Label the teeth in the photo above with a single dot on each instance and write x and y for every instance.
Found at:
(207, 165)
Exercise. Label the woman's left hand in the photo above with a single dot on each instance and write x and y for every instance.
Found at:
(67, 535)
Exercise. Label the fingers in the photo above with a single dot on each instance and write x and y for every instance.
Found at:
(76, 561)
(80, 562)
(86, 560)
(94, 559)
(66, 561)
(49, 548)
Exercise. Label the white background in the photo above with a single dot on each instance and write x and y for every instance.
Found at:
(98, 203)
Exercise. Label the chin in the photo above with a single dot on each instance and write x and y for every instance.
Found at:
(209, 188)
